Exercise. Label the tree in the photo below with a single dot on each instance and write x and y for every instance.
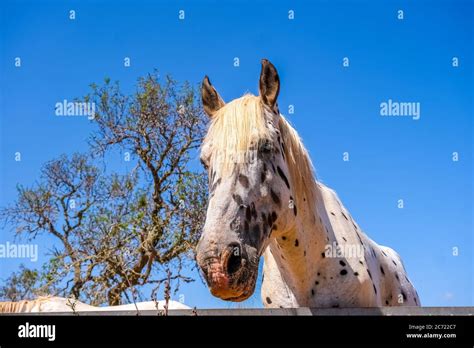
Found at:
(120, 232)
(20, 285)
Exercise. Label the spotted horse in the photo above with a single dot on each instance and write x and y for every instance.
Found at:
(264, 200)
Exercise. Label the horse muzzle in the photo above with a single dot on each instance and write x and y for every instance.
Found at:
(229, 276)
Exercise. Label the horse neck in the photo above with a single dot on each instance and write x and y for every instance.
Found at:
(298, 250)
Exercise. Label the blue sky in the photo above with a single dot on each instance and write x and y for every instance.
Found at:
(337, 109)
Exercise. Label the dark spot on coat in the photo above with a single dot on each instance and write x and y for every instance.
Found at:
(343, 272)
(248, 215)
(312, 292)
(345, 217)
(356, 274)
(375, 289)
(244, 181)
(269, 300)
(237, 199)
(269, 220)
(323, 255)
(342, 263)
(284, 238)
(360, 239)
(253, 210)
(275, 198)
(404, 296)
(274, 216)
(368, 272)
(214, 186)
(381, 270)
(296, 242)
(283, 176)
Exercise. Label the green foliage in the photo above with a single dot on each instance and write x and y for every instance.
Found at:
(20, 285)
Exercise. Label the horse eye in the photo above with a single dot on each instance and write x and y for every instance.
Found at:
(266, 146)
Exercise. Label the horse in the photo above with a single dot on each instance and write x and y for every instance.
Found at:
(264, 199)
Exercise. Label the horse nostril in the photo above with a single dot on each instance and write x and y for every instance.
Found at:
(234, 260)
(233, 264)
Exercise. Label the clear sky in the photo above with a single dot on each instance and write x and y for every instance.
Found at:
(336, 108)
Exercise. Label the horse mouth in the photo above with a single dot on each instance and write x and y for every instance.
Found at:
(240, 298)
(237, 293)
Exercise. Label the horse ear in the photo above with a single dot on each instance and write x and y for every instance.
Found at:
(211, 100)
(269, 83)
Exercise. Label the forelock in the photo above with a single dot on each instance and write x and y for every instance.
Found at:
(235, 131)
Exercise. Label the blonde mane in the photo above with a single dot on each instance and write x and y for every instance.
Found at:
(237, 128)
(302, 175)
